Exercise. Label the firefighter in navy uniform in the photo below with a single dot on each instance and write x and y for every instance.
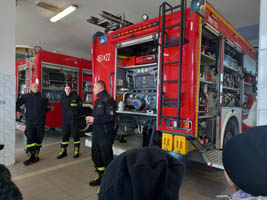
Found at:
(37, 106)
(103, 121)
(70, 104)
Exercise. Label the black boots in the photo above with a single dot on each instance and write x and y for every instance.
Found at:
(123, 139)
(36, 153)
(97, 180)
(76, 150)
(31, 156)
(62, 153)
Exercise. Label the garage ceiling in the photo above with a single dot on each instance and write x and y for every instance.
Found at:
(72, 34)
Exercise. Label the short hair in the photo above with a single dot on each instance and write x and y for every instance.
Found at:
(34, 84)
(67, 85)
(102, 83)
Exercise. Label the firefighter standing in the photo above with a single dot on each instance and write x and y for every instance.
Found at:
(70, 104)
(103, 121)
(37, 106)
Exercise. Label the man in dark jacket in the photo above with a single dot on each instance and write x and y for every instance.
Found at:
(70, 104)
(37, 106)
(103, 121)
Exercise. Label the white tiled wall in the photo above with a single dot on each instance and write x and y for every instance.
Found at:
(262, 116)
(262, 72)
(7, 118)
(7, 81)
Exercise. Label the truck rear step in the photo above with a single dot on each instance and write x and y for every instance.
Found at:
(213, 158)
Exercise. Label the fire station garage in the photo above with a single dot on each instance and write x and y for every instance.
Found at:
(133, 100)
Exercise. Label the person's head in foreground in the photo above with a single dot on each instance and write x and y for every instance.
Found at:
(245, 163)
(142, 174)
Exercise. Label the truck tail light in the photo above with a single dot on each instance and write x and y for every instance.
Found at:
(173, 123)
(184, 124)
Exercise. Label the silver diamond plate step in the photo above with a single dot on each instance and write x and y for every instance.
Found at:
(213, 158)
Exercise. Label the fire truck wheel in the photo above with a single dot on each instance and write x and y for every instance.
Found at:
(83, 126)
(230, 131)
(158, 139)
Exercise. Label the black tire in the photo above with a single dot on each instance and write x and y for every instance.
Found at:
(157, 140)
(230, 130)
(83, 127)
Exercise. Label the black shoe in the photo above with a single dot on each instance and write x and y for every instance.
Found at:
(76, 151)
(30, 161)
(62, 154)
(36, 159)
(95, 182)
(123, 139)
(76, 155)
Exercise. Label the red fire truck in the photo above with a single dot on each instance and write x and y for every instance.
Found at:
(51, 71)
(182, 75)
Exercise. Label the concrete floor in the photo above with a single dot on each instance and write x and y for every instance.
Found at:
(67, 179)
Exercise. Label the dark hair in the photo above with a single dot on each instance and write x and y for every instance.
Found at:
(67, 85)
(102, 83)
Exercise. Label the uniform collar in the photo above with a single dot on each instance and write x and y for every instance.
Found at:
(64, 93)
(34, 94)
(102, 93)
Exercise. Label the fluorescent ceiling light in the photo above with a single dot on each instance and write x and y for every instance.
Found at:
(63, 13)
